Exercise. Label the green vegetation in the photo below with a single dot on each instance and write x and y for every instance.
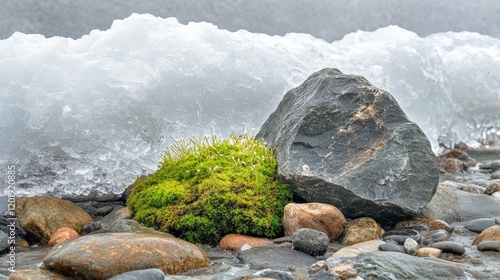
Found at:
(206, 188)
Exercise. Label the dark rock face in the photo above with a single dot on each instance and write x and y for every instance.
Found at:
(339, 140)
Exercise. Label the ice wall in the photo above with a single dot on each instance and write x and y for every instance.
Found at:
(86, 116)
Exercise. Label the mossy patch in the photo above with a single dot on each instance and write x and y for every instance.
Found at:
(207, 187)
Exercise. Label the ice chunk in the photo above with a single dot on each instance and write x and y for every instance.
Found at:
(89, 115)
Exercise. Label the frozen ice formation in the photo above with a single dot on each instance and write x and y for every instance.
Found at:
(85, 117)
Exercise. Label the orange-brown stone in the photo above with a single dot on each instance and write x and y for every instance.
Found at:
(344, 271)
(490, 234)
(235, 241)
(492, 188)
(319, 216)
(61, 235)
(429, 252)
(360, 230)
(101, 256)
(41, 216)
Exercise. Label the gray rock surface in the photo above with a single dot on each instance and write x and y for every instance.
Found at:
(489, 246)
(273, 274)
(310, 241)
(392, 247)
(450, 247)
(478, 225)
(339, 140)
(392, 265)
(279, 258)
(453, 205)
(4, 241)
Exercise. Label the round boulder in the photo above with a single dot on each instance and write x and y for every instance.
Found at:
(319, 216)
(101, 256)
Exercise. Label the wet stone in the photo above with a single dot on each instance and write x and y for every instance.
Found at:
(411, 246)
(310, 241)
(449, 247)
(489, 246)
(143, 274)
(400, 235)
(478, 225)
(429, 252)
(436, 236)
(273, 274)
(392, 247)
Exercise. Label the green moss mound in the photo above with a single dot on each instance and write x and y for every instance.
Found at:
(206, 188)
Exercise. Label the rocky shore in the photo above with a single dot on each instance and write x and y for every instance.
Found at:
(370, 201)
(457, 236)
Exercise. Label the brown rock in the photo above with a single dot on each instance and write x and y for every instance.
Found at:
(61, 235)
(429, 252)
(36, 274)
(450, 165)
(235, 241)
(319, 216)
(489, 234)
(492, 188)
(360, 230)
(344, 271)
(41, 216)
(433, 224)
(101, 256)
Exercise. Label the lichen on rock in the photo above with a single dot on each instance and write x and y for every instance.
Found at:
(207, 187)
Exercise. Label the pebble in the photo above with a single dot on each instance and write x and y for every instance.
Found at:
(318, 266)
(492, 188)
(310, 241)
(344, 271)
(143, 274)
(411, 246)
(392, 247)
(489, 234)
(237, 242)
(489, 246)
(436, 236)
(450, 247)
(478, 225)
(495, 175)
(429, 252)
(400, 235)
(273, 274)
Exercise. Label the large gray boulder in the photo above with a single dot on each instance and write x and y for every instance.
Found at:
(339, 140)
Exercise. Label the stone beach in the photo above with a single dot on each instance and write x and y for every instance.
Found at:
(458, 256)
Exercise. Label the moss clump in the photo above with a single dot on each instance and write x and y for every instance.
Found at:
(206, 188)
